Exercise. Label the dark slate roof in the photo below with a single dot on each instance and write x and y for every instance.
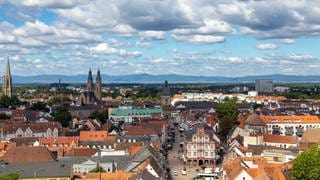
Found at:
(244, 105)
(193, 130)
(146, 152)
(258, 149)
(196, 104)
(39, 169)
(96, 143)
(121, 161)
(140, 138)
(84, 107)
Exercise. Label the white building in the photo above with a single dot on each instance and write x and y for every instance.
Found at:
(290, 125)
(200, 145)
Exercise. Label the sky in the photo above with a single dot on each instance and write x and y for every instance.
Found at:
(187, 37)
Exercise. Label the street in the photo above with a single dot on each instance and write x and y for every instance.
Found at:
(175, 163)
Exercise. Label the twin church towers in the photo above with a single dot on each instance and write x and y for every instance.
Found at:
(92, 95)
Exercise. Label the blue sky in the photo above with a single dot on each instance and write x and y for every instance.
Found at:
(190, 37)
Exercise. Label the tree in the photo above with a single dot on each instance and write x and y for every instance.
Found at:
(101, 116)
(307, 164)
(227, 116)
(62, 115)
(10, 176)
(4, 116)
(97, 169)
(111, 128)
(39, 106)
(6, 101)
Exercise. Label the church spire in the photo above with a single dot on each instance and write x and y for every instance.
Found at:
(98, 85)
(90, 81)
(98, 78)
(7, 81)
(8, 72)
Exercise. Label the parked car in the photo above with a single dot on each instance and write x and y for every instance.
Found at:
(184, 171)
(175, 173)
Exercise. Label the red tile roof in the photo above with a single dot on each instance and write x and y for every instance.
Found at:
(28, 154)
(81, 152)
(95, 136)
(280, 139)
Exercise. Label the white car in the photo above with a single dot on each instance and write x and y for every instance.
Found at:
(175, 173)
(184, 171)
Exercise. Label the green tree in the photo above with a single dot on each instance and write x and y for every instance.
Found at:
(101, 116)
(307, 164)
(10, 176)
(6, 101)
(39, 106)
(111, 128)
(4, 116)
(97, 169)
(227, 116)
(62, 115)
(59, 99)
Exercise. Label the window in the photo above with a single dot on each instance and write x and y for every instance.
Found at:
(194, 154)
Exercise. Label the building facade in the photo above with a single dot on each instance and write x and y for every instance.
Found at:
(200, 146)
(129, 114)
(290, 125)
(264, 85)
(7, 81)
(32, 129)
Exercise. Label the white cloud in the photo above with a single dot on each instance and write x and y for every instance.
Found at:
(104, 48)
(287, 41)
(267, 46)
(260, 60)
(156, 35)
(300, 57)
(124, 30)
(200, 39)
(47, 3)
(6, 38)
(37, 61)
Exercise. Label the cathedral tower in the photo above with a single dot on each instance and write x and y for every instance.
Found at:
(98, 85)
(90, 82)
(7, 81)
(166, 100)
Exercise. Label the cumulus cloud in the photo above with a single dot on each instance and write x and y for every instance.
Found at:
(156, 35)
(104, 48)
(267, 46)
(124, 30)
(6, 38)
(200, 39)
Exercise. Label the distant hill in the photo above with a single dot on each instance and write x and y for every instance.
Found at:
(172, 78)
